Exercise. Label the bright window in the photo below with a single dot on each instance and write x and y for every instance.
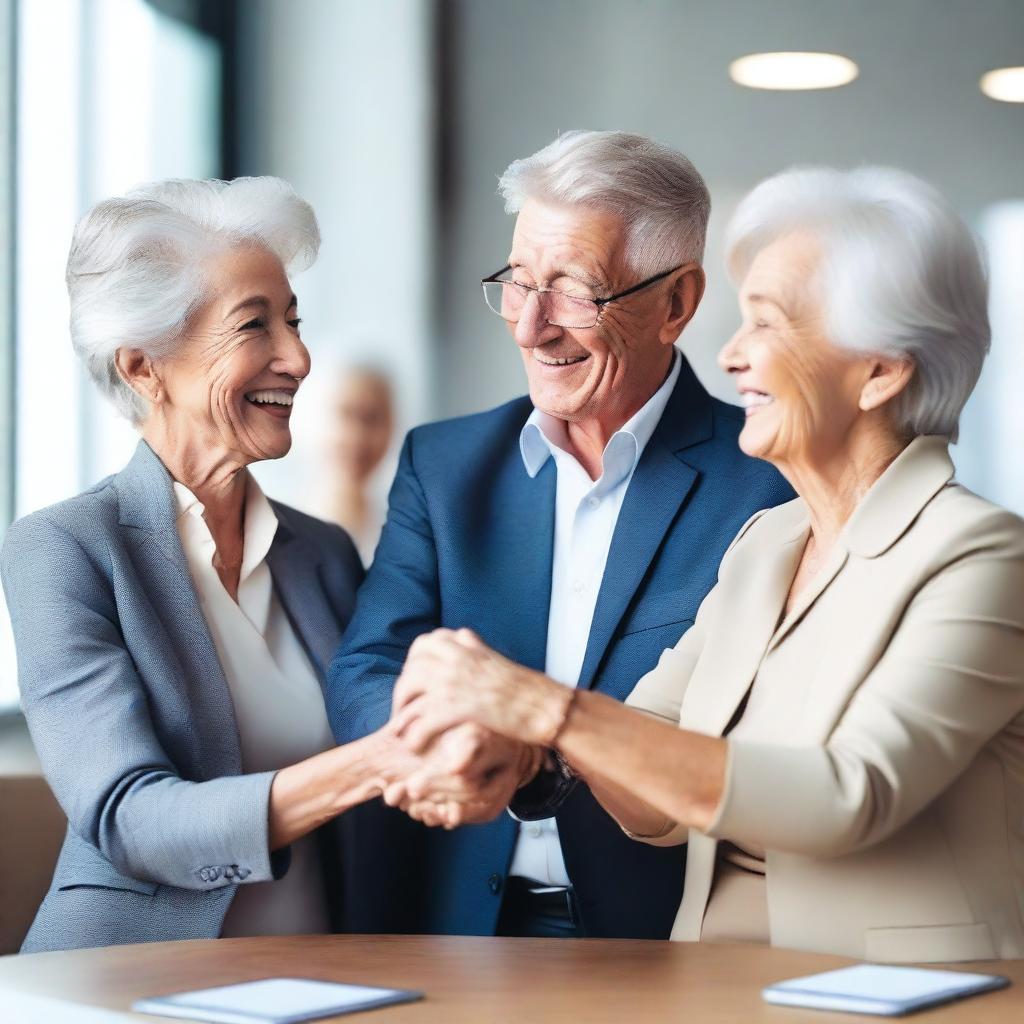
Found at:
(111, 93)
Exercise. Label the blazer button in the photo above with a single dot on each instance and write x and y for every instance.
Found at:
(494, 884)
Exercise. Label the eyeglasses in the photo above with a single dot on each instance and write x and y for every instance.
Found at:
(507, 298)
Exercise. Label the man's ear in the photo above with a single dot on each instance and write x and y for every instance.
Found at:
(137, 371)
(687, 291)
(889, 376)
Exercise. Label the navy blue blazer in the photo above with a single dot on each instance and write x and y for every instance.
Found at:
(468, 542)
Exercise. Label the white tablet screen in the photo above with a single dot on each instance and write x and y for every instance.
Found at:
(897, 984)
(274, 999)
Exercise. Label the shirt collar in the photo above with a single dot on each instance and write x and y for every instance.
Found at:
(542, 434)
(259, 528)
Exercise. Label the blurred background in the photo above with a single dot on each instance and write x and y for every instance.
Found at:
(394, 118)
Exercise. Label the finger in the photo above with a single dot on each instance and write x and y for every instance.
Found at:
(462, 760)
(450, 815)
(426, 813)
(406, 716)
(400, 694)
(421, 787)
(462, 747)
(389, 728)
(439, 788)
(395, 794)
(425, 728)
(467, 638)
(438, 636)
(410, 685)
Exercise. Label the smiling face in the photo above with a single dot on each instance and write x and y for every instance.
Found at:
(228, 387)
(603, 373)
(802, 392)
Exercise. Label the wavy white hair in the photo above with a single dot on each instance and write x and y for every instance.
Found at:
(902, 276)
(657, 192)
(135, 272)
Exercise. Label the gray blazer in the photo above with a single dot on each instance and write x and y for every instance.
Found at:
(130, 711)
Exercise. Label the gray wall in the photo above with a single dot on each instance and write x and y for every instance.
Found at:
(336, 96)
(521, 72)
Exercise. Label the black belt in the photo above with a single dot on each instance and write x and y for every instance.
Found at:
(557, 901)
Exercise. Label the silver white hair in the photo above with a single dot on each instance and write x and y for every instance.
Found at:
(902, 276)
(135, 272)
(657, 192)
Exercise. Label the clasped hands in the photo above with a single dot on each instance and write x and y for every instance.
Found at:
(468, 728)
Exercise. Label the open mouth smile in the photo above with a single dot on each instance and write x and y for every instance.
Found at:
(276, 401)
(567, 361)
(753, 401)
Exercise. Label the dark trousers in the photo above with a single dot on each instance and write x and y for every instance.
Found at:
(535, 910)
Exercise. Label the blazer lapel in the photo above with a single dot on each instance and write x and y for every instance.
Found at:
(754, 612)
(767, 570)
(884, 514)
(517, 547)
(811, 592)
(295, 567)
(148, 509)
(657, 491)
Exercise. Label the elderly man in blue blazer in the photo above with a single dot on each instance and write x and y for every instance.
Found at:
(576, 531)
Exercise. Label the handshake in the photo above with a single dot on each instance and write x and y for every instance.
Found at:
(468, 728)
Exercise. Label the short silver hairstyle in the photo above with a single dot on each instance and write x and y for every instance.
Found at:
(902, 276)
(135, 272)
(656, 191)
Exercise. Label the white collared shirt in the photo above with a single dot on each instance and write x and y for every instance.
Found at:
(278, 703)
(586, 512)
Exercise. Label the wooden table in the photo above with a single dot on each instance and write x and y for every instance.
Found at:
(478, 981)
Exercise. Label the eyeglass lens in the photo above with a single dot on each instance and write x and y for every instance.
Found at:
(507, 299)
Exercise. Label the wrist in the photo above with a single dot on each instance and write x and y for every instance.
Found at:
(530, 762)
(357, 770)
(550, 712)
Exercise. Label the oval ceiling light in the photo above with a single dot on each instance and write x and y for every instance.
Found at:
(793, 70)
(1006, 84)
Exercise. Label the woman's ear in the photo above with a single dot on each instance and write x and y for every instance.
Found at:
(687, 291)
(889, 376)
(137, 371)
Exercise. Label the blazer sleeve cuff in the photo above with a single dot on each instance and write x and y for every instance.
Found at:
(674, 835)
(228, 841)
(776, 798)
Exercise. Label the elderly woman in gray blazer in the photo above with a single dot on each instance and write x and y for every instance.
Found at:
(173, 626)
(840, 735)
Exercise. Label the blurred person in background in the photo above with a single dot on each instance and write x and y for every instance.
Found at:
(839, 737)
(173, 626)
(576, 529)
(359, 438)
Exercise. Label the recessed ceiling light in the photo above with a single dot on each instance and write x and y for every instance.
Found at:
(793, 70)
(1006, 84)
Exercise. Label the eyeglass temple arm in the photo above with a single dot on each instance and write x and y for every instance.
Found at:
(496, 274)
(636, 287)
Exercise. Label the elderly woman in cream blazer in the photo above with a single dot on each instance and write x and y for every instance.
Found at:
(840, 735)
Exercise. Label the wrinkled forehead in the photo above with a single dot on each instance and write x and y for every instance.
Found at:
(234, 275)
(786, 272)
(577, 241)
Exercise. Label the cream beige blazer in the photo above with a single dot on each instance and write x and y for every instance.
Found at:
(890, 805)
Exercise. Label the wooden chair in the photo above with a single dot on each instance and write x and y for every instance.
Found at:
(32, 828)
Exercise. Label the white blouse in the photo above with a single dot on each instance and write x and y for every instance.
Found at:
(278, 702)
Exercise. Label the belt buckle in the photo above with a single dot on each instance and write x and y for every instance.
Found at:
(566, 891)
